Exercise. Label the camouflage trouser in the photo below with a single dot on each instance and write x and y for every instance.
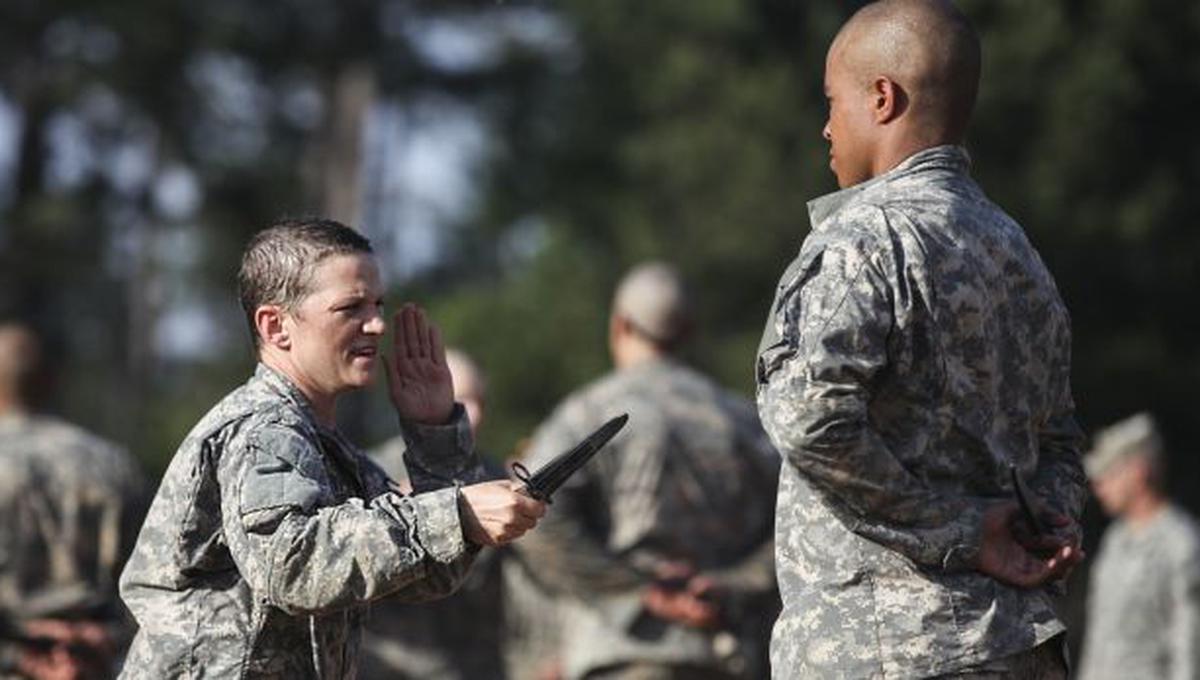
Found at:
(651, 671)
(1047, 661)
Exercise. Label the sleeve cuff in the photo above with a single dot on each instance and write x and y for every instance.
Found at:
(963, 553)
(445, 451)
(439, 529)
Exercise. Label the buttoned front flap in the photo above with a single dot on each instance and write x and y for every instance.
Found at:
(778, 342)
(284, 473)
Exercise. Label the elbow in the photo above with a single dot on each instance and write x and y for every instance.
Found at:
(814, 432)
(308, 597)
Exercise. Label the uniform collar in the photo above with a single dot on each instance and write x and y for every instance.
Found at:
(948, 157)
(279, 383)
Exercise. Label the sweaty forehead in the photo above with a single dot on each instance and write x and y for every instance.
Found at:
(345, 275)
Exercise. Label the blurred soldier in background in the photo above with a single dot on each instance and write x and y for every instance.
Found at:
(533, 613)
(662, 542)
(1144, 593)
(70, 505)
(458, 638)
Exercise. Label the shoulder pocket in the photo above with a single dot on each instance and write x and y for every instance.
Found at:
(779, 341)
(285, 472)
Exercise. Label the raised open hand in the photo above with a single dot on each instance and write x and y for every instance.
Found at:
(419, 382)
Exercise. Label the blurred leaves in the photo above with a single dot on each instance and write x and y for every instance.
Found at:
(620, 130)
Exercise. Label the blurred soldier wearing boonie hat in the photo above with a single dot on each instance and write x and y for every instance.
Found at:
(1144, 595)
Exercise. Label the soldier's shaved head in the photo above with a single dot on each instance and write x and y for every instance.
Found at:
(927, 47)
(652, 297)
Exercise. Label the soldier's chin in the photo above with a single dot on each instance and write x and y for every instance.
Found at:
(362, 371)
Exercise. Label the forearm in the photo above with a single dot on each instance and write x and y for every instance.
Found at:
(438, 456)
(822, 430)
(1060, 482)
(351, 554)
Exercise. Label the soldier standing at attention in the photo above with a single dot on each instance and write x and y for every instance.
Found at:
(1144, 593)
(663, 543)
(270, 531)
(70, 506)
(917, 348)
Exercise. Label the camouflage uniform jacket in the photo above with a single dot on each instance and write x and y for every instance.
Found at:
(690, 479)
(270, 532)
(917, 346)
(1144, 602)
(70, 506)
(456, 638)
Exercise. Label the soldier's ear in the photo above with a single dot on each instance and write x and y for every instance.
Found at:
(269, 323)
(888, 100)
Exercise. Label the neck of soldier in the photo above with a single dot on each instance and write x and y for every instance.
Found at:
(631, 350)
(323, 405)
(1144, 507)
(907, 139)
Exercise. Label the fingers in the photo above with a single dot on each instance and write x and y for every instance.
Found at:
(700, 587)
(1027, 571)
(1064, 561)
(500, 513)
(416, 338)
(411, 333)
(674, 570)
(410, 336)
(1019, 558)
(422, 329)
(528, 506)
(680, 607)
(399, 343)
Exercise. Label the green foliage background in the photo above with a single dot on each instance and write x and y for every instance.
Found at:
(680, 129)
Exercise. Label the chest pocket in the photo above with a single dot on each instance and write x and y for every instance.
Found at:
(779, 341)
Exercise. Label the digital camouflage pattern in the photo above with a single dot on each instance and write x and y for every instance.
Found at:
(689, 479)
(917, 346)
(270, 533)
(1144, 602)
(70, 506)
(456, 638)
(533, 620)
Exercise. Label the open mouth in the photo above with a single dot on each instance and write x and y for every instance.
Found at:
(364, 352)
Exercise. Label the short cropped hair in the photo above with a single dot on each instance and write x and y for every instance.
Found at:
(655, 300)
(278, 263)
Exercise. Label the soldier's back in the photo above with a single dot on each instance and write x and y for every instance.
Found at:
(70, 505)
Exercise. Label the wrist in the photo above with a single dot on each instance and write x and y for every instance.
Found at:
(963, 554)
(435, 418)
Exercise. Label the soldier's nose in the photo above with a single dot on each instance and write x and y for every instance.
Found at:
(375, 325)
